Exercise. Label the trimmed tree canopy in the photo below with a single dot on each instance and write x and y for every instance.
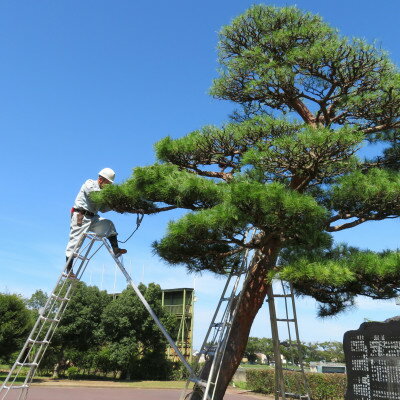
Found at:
(287, 164)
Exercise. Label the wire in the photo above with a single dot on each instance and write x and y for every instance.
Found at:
(139, 219)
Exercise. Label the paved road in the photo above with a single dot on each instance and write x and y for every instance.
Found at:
(85, 393)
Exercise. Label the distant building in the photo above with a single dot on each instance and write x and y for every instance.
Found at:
(327, 367)
(262, 358)
(180, 303)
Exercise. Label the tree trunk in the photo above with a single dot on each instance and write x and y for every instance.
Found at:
(254, 292)
(56, 370)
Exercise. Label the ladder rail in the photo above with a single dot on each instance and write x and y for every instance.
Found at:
(279, 382)
(224, 342)
(81, 269)
(221, 331)
(280, 391)
(204, 348)
(223, 298)
(148, 308)
(301, 360)
(50, 316)
(52, 301)
(288, 320)
(25, 351)
(50, 333)
(55, 307)
(54, 322)
(47, 321)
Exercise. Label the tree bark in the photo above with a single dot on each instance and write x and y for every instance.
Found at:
(56, 370)
(254, 293)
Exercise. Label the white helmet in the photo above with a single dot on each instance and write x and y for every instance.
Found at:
(107, 173)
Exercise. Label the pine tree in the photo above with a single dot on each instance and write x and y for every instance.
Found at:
(287, 164)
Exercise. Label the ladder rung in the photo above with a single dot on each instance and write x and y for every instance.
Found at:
(16, 387)
(282, 295)
(286, 320)
(59, 298)
(93, 236)
(68, 276)
(80, 257)
(220, 324)
(38, 341)
(49, 319)
(209, 351)
(27, 364)
(199, 382)
(297, 396)
(225, 298)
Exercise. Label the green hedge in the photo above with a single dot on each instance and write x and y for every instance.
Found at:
(73, 373)
(322, 386)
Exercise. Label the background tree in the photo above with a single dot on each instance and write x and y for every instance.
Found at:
(101, 334)
(332, 351)
(323, 351)
(37, 300)
(252, 348)
(135, 345)
(259, 345)
(15, 323)
(78, 333)
(311, 352)
(286, 165)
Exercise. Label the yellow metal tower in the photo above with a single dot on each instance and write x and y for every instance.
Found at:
(180, 303)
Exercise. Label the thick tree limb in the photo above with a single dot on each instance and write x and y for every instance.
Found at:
(358, 221)
(379, 128)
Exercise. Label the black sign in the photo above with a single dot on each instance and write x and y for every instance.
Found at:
(373, 361)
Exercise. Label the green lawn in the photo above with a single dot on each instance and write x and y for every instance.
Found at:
(100, 382)
(116, 383)
(103, 383)
(256, 366)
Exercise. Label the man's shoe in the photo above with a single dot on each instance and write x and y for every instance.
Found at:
(118, 252)
(69, 275)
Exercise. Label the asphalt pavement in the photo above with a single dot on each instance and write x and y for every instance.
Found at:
(90, 393)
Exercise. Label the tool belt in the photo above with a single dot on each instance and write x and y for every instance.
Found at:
(81, 213)
(84, 212)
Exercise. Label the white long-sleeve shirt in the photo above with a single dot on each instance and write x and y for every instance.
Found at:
(83, 200)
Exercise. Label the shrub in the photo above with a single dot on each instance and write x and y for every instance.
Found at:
(73, 373)
(327, 386)
(180, 373)
(322, 386)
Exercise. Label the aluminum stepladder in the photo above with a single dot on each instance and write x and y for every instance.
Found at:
(46, 324)
(216, 339)
(285, 293)
(49, 317)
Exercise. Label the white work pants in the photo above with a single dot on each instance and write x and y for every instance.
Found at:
(100, 226)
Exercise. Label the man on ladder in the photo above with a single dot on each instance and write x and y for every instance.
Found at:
(84, 217)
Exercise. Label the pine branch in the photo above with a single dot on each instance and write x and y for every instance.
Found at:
(352, 224)
(380, 128)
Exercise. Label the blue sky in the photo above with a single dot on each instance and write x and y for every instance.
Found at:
(92, 84)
